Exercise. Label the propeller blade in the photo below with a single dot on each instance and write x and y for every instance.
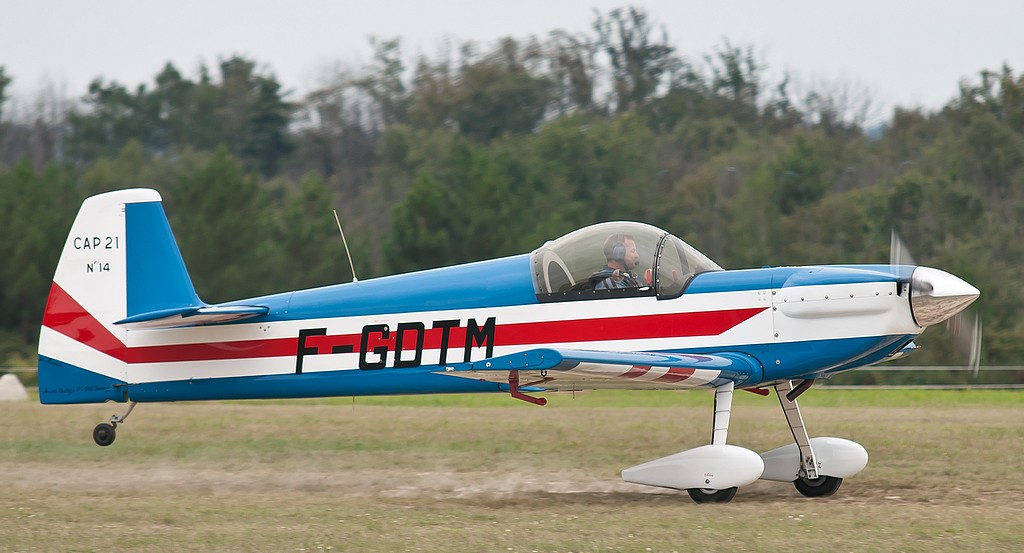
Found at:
(898, 252)
(965, 330)
(975, 358)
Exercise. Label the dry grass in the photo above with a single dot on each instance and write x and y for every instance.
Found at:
(491, 475)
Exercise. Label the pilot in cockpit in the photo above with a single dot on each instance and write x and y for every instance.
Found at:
(622, 255)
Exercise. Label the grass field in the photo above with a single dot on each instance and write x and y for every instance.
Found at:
(485, 473)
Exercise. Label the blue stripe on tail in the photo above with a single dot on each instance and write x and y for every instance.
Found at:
(156, 273)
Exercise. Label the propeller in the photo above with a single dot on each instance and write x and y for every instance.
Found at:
(898, 253)
(964, 328)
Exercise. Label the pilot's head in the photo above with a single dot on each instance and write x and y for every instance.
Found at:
(620, 251)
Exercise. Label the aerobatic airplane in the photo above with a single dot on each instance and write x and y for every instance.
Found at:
(614, 305)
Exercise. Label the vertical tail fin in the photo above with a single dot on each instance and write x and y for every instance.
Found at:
(120, 260)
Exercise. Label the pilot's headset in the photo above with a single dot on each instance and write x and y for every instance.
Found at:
(615, 248)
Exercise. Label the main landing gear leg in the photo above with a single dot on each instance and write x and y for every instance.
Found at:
(104, 433)
(719, 433)
(709, 473)
(809, 482)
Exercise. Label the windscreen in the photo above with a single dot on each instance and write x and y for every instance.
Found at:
(677, 263)
(616, 259)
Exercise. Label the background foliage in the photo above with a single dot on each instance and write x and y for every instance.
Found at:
(489, 150)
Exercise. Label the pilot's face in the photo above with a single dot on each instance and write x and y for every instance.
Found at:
(632, 256)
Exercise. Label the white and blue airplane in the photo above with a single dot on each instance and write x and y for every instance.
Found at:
(615, 305)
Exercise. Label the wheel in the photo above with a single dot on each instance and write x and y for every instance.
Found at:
(822, 486)
(703, 495)
(104, 434)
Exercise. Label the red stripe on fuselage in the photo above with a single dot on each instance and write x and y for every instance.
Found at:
(68, 317)
(638, 327)
(214, 351)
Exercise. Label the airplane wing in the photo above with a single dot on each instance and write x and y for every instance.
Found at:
(569, 369)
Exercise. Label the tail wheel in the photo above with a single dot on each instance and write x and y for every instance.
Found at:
(702, 495)
(822, 486)
(104, 434)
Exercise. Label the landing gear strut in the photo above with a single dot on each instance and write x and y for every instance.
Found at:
(809, 483)
(104, 433)
(719, 434)
(787, 397)
(709, 473)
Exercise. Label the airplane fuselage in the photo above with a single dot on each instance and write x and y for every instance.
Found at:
(403, 334)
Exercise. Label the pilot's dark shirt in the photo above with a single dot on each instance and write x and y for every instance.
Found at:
(603, 279)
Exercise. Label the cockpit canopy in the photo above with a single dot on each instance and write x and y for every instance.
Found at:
(579, 264)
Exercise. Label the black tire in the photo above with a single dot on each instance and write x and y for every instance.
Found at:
(104, 434)
(701, 495)
(822, 486)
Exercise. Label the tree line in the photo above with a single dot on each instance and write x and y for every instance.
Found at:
(490, 150)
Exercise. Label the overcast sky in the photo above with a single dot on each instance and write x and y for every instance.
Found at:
(909, 53)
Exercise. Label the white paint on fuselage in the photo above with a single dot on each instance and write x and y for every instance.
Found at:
(800, 314)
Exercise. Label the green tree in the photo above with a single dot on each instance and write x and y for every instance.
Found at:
(132, 167)
(36, 211)
(384, 82)
(736, 74)
(573, 71)
(608, 164)
(754, 221)
(639, 62)
(498, 95)
(113, 116)
(5, 81)
(421, 235)
(485, 97)
(799, 176)
(254, 115)
(223, 224)
(246, 111)
(308, 236)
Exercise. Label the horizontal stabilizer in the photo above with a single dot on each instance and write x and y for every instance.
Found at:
(567, 369)
(191, 316)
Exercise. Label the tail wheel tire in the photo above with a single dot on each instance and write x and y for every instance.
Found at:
(104, 434)
(701, 495)
(822, 486)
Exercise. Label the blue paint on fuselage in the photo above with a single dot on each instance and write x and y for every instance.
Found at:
(493, 283)
(822, 275)
(344, 383)
(61, 382)
(784, 277)
(740, 280)
(815, 358)
(508, 282)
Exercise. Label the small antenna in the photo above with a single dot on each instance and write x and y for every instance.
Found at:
(348, 253)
